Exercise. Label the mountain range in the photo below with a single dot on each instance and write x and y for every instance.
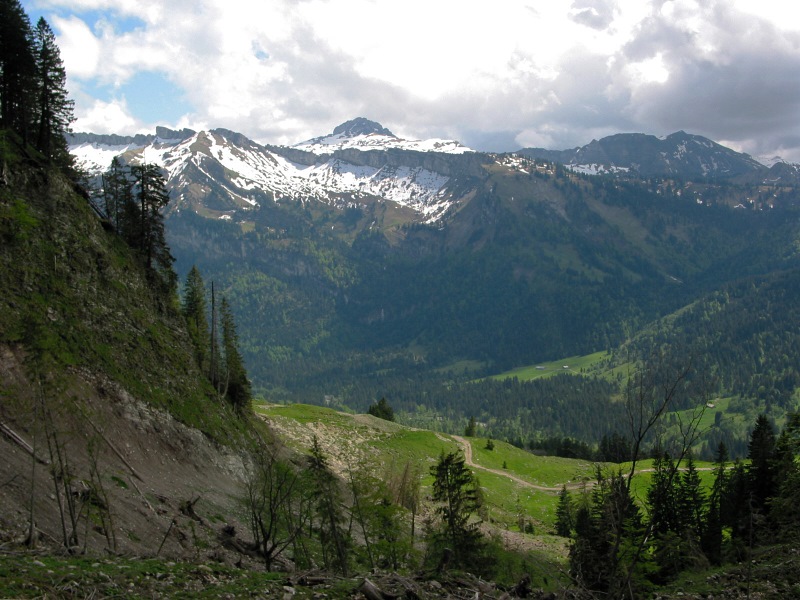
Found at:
(358, 262)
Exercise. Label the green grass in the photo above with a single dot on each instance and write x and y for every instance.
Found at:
(391, 446)
(573, 364)
(549, 471)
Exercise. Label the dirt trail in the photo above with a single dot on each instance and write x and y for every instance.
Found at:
(467, 447)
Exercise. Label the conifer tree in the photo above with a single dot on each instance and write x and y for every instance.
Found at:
(382, 410)
(194, 310)
(784, 507)
(456, 490)
(761, 452)
(712, 531)
(17, 68)
(53, 108)
(237, 386)
(116, 192)
(691, 501)
(152, 196)
(471, 429)
(564, 510)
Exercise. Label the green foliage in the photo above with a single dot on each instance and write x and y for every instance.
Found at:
(82, 298)
(470, 430)
(195, 312)
(382, 410)
(456, 535)
(53, 107)
(20, 577)
(237, 385)
(33, 96)
(564, 513)
(16, 222)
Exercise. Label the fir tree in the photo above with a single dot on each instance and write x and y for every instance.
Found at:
(564, 519)
(152, 196)
(382, 410)
(53, 107)
(784, 508)
(471, 429)
(117, 193)
(17, 68)
(712, 531)
(237, 386)
(761, 454)
(456, 490)
(691, 501)
(194, 310)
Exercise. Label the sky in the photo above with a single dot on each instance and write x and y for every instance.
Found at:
(496, 75)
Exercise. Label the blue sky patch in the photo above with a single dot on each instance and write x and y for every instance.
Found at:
(152, 98)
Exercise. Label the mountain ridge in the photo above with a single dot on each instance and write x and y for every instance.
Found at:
(679, 154)
(362, 165)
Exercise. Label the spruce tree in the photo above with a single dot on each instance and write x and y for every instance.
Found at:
(17, 69)
(116, 192)
(382, 410)
(237, 386)
(784, 508)
(712, 530)
(761, 454)
(53, 108)
(471, 429)
(691, 501)
(194, 310)
(152, 196)
(456, 490)
(564, 510)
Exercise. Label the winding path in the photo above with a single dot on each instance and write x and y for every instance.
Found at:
(467, 447)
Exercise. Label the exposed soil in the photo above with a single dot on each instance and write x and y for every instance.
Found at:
(149, 484)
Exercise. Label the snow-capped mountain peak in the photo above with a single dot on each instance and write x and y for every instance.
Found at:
(363, 134)
(220, 172)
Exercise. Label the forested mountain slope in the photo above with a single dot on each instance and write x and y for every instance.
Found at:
(531, 266)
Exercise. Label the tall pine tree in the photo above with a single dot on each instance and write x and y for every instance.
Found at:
(194, 310)
(53, 108)
(236, 384)
(17, 69)
(148, 237)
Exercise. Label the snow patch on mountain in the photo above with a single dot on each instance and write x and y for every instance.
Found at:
(597, 169)
(372, 141)
(246, 172)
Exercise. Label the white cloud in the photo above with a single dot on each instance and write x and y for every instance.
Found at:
(111, 117)
(567, 70)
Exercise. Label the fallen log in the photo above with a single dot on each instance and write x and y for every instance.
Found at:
(17, 439)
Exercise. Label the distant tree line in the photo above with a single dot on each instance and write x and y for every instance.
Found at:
(33, 96)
